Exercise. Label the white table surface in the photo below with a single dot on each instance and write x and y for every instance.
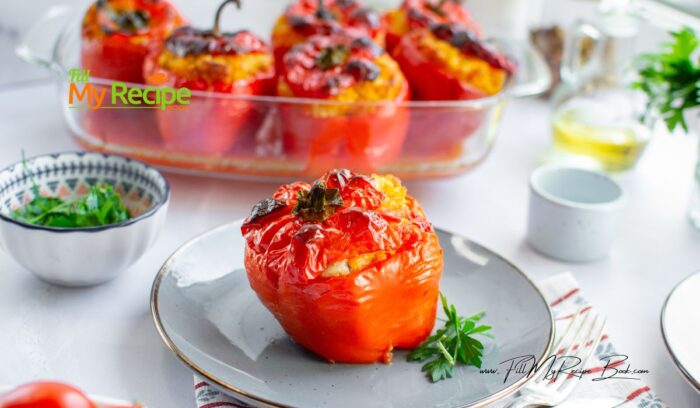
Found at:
(103, 340)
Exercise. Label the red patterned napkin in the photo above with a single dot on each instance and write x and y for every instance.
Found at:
(565, 298)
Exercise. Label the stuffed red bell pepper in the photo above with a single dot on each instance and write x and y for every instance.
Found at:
(306, 18)
(415, 15)
(348, 265)
(237, 63)
(117, 35)
(448, 62)
(360, 121)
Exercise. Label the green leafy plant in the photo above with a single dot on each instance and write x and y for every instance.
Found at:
(100, 206)
(452, 344)
(671, 78)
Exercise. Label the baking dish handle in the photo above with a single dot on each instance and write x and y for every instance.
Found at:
(533, 76)
(30, 47)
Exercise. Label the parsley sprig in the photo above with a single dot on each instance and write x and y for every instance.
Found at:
(671, 78)
(100, 206)
(452, 344)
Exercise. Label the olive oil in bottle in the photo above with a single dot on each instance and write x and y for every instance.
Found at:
(602, 126)
(597, 116)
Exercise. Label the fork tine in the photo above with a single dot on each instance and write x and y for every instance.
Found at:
(577, 343)
(543, 373)
(584, 351)
(582, 330)
(567, 330)
(567, 387)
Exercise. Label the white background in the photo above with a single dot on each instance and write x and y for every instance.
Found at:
(103, 340)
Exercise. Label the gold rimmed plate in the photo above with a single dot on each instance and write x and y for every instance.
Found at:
(680, 328)
(209, 317)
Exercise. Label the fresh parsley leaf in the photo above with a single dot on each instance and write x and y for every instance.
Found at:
(671, 79)
(100, 206)
(451, 344)
(438, 370)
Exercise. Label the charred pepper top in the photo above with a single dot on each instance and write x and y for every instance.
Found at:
(192, 41)
(140, 19)
(211, 60)
(418, 14)
(469, 44)
(341, 67)
(359, 216)
(306, 18)
(447, 61)
(118, 34)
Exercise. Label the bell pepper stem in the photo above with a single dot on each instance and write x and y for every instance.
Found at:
(217, 18)
(322, 12)
(318, 203)
(437, 8)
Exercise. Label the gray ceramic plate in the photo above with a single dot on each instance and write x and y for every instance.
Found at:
(681, 328)
(207, 314)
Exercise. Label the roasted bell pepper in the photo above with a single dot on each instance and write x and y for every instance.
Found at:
(237, 63)
(306, 18)
(116, 37)
(448, 62)
(419, 14)
(360, 121)
(117, 34)
(349, 265)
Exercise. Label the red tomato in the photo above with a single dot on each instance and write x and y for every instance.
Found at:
(45, 394)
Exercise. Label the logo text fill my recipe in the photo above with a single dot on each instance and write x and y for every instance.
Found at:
(83, 94)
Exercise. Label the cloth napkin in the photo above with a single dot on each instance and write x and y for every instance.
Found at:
(565, 298)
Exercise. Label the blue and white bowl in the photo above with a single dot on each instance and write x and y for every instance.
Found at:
(82, 256)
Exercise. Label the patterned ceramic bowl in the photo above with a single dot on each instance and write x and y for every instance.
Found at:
(81, 256)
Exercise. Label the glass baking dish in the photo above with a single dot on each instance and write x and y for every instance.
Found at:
(283, 138)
